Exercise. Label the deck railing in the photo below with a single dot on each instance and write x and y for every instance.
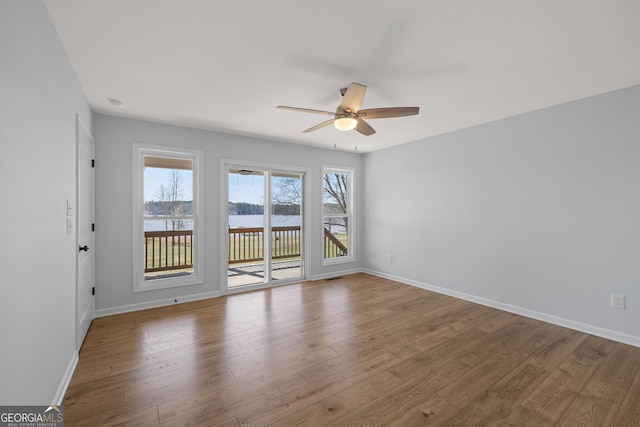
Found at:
(172, 249)
(168, 250)
(246, 244)
(333, 247)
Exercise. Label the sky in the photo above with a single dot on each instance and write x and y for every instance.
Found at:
(242, 188)
(155, 177)
(246, 188)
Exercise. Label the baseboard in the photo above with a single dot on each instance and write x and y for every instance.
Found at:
(103, 312)
(560, 321)
(154, 304)
(85, 322)
(66, 379)
(335, 274)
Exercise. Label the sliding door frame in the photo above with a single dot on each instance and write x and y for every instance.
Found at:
(225, 166)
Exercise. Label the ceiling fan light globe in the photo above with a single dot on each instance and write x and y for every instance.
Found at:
(345, 123)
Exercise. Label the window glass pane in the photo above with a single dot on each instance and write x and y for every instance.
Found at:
(286, 230)
(336, 193)
(168, 192)
(337, 214)
(167, 253)
(246, 265)
(168, 218)
(336, 237)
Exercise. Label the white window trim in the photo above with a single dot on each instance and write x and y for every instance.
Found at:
(350, 215)
(196, 156)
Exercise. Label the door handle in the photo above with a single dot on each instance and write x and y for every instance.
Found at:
(84, 248)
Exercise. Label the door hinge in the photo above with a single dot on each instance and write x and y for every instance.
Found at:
(93, 163)
(93, 290)
(93, 227)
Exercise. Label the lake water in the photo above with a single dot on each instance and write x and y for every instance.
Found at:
(235, 221)
(258, 220)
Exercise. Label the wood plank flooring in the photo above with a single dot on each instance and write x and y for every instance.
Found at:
(353, 351)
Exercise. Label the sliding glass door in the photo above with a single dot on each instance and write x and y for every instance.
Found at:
(264, 226)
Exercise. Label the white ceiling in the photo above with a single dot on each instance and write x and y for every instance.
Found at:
(225, 65)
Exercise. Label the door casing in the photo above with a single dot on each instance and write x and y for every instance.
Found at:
(85, 235)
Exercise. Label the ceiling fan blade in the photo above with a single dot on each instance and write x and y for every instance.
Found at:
(380, 113)
(305, 110)
(353, 97)
(320, 126)
(365, 128)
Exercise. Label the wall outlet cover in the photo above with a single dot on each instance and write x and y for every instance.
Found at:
(617, 301)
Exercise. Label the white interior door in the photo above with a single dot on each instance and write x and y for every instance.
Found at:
(85, 260)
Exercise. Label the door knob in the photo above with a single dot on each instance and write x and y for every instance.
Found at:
(84, 248)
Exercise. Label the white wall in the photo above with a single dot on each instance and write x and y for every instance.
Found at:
(39, 97)
(538, 213)
(114, 138)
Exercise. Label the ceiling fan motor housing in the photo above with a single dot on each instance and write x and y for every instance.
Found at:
(341, 112)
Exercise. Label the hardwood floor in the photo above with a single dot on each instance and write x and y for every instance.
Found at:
(353, 351)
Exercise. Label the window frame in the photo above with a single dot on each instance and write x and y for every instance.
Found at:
(138, 167)
(350, 215)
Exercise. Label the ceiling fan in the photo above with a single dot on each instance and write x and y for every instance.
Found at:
(349, 116)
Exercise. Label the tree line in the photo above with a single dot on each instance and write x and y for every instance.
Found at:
(242, 208)
(178, 207)
(172, 208)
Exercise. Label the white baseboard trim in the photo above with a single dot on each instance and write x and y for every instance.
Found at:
(85, 321)
(103, 312)
(560, 321)
(335, 274)
(154, 304)
(66, 379)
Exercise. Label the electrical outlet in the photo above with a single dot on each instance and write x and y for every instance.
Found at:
(389, 259)
(617, 301)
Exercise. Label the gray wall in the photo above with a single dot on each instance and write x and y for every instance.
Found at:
(39, 97)
(114, 139)
(537, 214)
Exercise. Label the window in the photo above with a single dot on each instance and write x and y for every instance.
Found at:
(337, 215)
(167, 238)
